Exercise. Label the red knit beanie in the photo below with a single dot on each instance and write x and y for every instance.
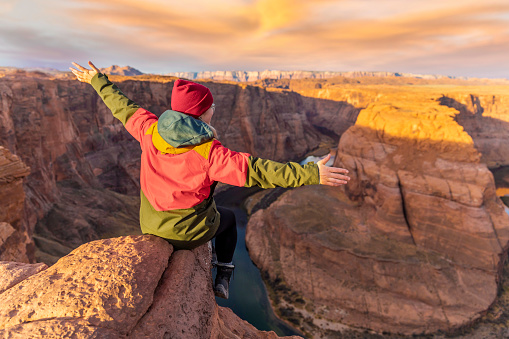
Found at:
(190, 98)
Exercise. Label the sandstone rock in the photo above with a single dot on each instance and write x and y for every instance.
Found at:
(120, 287)
(485, 117)
(109, 283)
(231, 326)
(172, 303)
(413, 244)
(12, 273)
(6, 230)
(15, 242)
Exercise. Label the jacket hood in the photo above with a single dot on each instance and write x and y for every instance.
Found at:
(179, 129)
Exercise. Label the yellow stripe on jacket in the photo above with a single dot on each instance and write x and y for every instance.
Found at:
(165, 148)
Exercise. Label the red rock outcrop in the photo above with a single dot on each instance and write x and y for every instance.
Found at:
(12, 273)
(119, 287)
(413, 244)
(15, 241)
(485, 116)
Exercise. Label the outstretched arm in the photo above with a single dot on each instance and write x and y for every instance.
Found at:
(121, 106)
(242, 169)
(267, 174)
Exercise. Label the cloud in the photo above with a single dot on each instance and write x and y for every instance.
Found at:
(260, 34)
(7, 6)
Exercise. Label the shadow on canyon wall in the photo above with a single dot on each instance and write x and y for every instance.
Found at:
(415, 243)
(488, 133)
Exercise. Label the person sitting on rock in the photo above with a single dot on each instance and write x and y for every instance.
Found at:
(182, 161)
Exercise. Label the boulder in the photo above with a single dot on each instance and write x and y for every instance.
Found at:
(132, 286)
(12, 273)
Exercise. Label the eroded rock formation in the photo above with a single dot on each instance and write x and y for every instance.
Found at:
(413, 244)
(15, 241)
(133, 286)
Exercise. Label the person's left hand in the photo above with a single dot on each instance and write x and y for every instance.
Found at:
(331, 176)
(83, 74)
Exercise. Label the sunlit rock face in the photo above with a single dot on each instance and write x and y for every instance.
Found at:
(15, 241)
(486, 119)
(243, 76)
(414, 243)
(134, 287)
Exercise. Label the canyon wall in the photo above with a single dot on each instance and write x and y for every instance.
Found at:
(15, 238)
(84, 178)
(414, 243)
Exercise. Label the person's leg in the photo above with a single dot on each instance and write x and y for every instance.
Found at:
(226, 241)
(226, 236)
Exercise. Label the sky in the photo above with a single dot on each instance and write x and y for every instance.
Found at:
(448, 37)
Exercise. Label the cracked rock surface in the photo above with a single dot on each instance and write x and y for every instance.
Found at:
(413, 244)
(133, 286)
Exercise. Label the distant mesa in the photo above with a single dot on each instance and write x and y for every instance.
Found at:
(117, 70)
(248, 76)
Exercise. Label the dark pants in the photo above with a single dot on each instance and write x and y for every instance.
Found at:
(226, 235)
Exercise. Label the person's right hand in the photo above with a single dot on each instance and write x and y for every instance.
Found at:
(331, 176)
(84, 75)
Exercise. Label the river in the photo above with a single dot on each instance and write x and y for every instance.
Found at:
(248, 297)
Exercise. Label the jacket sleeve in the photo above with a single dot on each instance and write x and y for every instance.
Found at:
(242, 169)
(121, 106)
(135, 119)
(269, 174)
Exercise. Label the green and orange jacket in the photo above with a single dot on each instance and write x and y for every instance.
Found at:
(176, 176)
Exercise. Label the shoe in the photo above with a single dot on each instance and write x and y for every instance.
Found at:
(222, 282)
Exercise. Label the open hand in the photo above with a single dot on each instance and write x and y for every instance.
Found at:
(83, 74)
(332, 176)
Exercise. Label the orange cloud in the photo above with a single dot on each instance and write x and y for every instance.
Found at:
(6, 6)
(258, 34)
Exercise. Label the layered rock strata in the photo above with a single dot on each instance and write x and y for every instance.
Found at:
(127, 287)
(413, 244)
(15, 240)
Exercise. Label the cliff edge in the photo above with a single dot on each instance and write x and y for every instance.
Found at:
(132, 286)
